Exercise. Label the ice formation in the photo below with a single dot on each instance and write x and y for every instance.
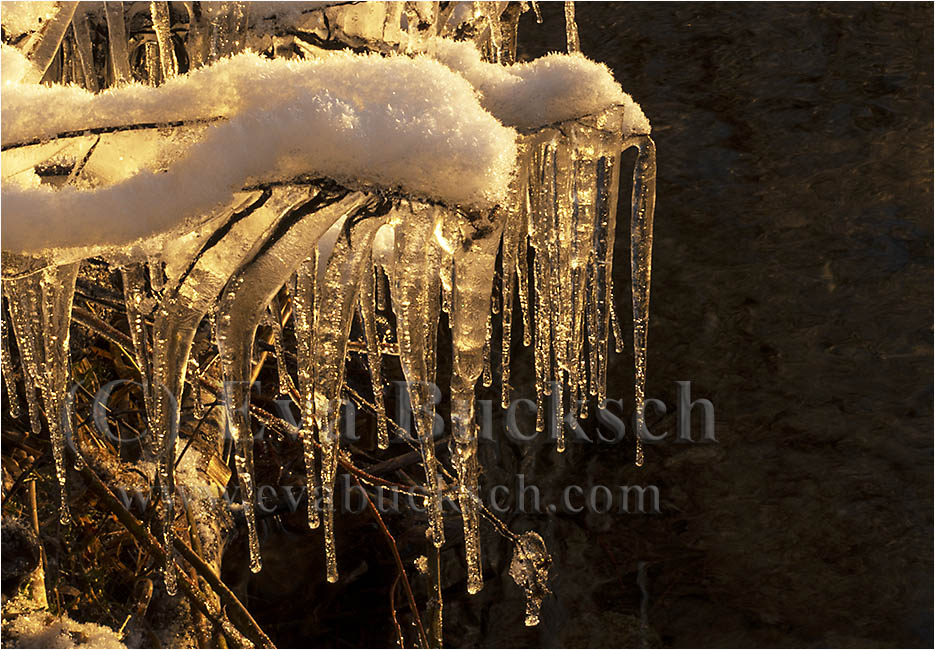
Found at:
(430, 162)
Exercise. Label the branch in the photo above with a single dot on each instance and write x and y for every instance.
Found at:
(244, 623)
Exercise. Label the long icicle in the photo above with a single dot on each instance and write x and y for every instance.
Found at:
(159, 11)
(303, 304)
(641, 250)
(23, 300)
(176, 321)
(58, 290)
(368, 316)
(117, 40)
(475, 261)
(135, 298)
(410, 303)
(9, 377)
(340, 284)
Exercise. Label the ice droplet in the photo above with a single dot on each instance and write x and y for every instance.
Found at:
(529, 569)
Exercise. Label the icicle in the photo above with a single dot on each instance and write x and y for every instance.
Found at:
(380, 284)
(117, 40)
(641, 249)
(571, 27)
(138, 303)
(368, 317)
(474, 265)
(25, 305)
(506, 289)
(57, 287)
(304, 310)
(522, 279)
(512, 249)
(340, 283)
(84, 50)
(535, 8)
(286, 386)
(491, 12)
(244, 304)
(198, 404)
(416, 330)
(151, 58)
(581, 242)
(43, 45)
(604, 239)
(509, 30)
(176, 321)
(529, 569)
(159, 11)
(544, 233)
(614, 323)
(9, 378)
(486, 374)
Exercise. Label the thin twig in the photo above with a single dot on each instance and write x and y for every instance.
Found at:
(241, 618)
(399, 564)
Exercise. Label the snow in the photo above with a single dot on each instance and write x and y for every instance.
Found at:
(425, 134)
(14, 67)
(30, 626)
(23, 17)
(551, 89)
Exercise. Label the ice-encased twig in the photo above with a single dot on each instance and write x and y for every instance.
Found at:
(117, 41)
(43, 45)
(163, 28)
(571, 28)
(84, 50)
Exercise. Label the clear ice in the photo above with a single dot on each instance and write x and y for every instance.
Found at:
(324, 253)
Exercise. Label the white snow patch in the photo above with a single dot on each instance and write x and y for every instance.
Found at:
(26, 625)
(23, 17)
(14, 67)
(553, 88)
(394, 122)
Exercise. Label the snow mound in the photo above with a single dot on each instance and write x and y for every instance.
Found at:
(551, 89)
(27, 625)
(392, 122)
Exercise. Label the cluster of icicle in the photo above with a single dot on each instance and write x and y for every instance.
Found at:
(377, 252)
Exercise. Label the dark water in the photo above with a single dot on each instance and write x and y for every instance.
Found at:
(792, 285)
